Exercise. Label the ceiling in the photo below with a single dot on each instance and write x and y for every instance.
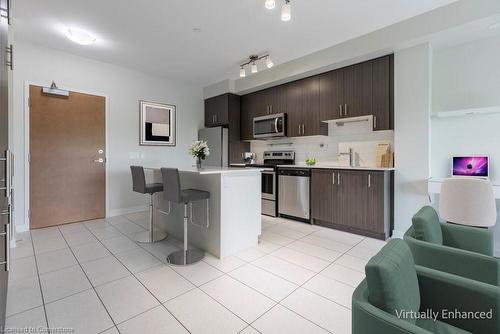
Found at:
(158, 37)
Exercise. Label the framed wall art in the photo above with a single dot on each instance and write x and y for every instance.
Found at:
(157, 124)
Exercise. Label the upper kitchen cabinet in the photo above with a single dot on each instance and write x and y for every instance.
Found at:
(302, 108)
(359, 90)
(225, 110)
(217, 109)
(294, 108)
(383, 92)
(331, 95)
(358, 86)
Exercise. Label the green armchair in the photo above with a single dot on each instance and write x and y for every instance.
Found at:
(455, 249)
(394, 287)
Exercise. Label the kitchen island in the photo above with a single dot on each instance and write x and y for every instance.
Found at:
(234, 209)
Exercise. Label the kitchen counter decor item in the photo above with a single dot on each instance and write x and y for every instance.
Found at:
(200, 150)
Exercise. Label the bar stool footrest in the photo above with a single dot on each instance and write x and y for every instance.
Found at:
(184, 258)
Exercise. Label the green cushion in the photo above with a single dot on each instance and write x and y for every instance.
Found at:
(439, 327)
(426, 226)
(392, 279)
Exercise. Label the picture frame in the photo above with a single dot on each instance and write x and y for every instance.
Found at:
(157, 124)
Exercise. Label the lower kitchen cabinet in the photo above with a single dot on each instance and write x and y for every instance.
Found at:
(352, 200)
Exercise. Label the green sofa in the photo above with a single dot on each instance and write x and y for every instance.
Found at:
(455, 249)
(394, 283)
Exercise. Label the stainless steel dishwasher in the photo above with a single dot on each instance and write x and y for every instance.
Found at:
(293, 193)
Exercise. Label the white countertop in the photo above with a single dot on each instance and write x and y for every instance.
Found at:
(326, 166)
(210, 170)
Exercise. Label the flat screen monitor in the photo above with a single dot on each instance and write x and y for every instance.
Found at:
(472, 166)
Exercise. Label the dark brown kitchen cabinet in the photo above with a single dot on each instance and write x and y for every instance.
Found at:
(322, 196)
(358, 90)
(294, 108)
(302, 108)
(225, 110)
(382, 99)
(352, 200)
(331, 95)
(247, 108)
(217, 110)
(311, 124)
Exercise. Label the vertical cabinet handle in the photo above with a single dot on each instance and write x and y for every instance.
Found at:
(369, 180)
(340, 110)
(10, 59)
(6, 234)
(333, 178)
(374, 122)
(338, 178)
(345, 109)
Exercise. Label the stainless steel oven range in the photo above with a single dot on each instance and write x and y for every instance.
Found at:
(270, 191)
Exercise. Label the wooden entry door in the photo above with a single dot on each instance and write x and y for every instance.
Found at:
(67, 141)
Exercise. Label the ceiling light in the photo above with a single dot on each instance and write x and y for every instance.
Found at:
(79, 36)
(270, 4)
(254, 68)
(494, 26)
(253, 62)
(286, 11)
(269, 62)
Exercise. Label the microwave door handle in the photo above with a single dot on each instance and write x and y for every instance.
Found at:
(276, 124)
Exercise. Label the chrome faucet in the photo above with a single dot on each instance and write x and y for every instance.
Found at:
(351, 156)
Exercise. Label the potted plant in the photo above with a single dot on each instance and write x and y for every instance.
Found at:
(199, 149)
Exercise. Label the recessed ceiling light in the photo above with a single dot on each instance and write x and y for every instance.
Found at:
(80, 36)
(196, 30)
(494, 26)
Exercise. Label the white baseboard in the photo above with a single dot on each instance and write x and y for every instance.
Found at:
(124, 211)
(22, 228)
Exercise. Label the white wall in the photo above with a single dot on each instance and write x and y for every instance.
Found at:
(466, 76)
(123, 89)
(412, 104)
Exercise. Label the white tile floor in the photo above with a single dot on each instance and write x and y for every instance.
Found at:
(94, 278)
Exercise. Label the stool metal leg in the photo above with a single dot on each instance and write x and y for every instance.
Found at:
(185, 256)
(152, 235)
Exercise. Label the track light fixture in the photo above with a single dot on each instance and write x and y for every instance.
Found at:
(253, 61)
(286, 9)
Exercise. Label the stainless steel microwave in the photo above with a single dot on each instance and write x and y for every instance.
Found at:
(269, 126)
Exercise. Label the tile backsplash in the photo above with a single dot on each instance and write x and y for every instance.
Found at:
(358, 136)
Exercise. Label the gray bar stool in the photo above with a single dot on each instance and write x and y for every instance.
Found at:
(174, 193)
(139, 185)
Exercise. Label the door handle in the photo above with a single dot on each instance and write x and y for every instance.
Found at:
(338, 178)
(100, 160)
(374, 122)
(369, 180)
(340, 110)
(345, 109)
(333, 178)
